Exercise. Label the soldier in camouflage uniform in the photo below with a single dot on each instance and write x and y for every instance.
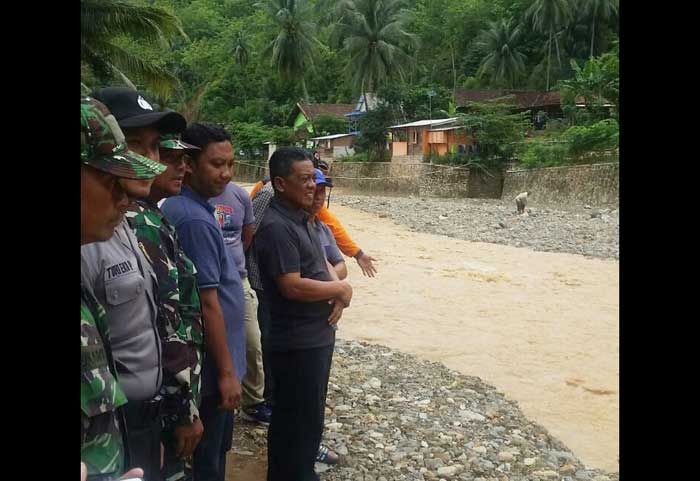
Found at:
(105, 160)
(179, 317)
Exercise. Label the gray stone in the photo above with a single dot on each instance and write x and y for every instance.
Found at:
(546, 474)
(448, 471)
(334, 426)
(505, 456)
(563, 455)
(471, 416)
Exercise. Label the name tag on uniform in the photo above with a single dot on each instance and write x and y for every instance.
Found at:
(120, 269)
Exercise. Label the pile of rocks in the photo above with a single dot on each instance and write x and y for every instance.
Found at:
(588, 231)
(393, 417)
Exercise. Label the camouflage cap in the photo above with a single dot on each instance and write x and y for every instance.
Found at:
(173, 141)
(102, 144)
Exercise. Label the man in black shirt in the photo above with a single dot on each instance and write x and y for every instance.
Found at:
(305, 304)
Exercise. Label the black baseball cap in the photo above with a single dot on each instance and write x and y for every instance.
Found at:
(131, 109)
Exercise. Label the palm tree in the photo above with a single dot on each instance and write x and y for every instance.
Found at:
(101, 21)
(294, 47)
(599, 11)
(504, 62)
(374, 35)
(241, 53)
(548, 16)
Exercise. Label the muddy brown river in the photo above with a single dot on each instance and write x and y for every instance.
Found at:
(542, 327)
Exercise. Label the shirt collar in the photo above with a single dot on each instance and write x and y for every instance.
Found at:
(298, 215)
(190, 194)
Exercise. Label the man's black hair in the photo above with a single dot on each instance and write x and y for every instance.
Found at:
(201, 134)
(283, 158)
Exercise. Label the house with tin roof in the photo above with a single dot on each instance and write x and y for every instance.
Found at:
(412, 141)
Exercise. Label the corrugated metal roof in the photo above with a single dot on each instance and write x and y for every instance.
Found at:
(330, 137)
(521, 98)
(422, 123)
(447, 128)
(333, 110)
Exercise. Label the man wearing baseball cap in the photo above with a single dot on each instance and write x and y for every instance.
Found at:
(132, 110)
(180, 313)
(155, 134)
(110, 176)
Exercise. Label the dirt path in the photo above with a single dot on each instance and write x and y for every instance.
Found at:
(541, 327)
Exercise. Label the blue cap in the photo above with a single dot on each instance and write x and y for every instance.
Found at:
(322, 179)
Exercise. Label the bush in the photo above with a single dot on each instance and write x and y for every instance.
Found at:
(576, 144)
(603, 135)
(544, 154)
(356, 157)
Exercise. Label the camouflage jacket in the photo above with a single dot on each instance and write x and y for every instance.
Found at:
(101, 444)
(179, 313)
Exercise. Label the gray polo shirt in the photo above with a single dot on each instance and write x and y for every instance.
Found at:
(330, 248)
(123, 281)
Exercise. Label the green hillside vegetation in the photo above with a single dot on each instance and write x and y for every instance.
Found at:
(245, 64)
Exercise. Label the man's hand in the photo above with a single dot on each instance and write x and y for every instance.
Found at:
(187, 436)
(336, 312)
(132, 473)
(346, 296)
(365, 263)
(230, 390)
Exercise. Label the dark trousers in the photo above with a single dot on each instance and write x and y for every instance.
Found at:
(173, 465)
(210, 454)
(264, 323)
(143, 427)
(301, 379)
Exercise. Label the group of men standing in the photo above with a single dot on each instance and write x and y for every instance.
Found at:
(169, 319)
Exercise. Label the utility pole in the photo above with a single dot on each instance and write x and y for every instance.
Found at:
(431, 94)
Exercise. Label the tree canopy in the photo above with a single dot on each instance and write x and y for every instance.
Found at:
(246, 64)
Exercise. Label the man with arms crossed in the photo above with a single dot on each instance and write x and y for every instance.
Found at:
(305, 303)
